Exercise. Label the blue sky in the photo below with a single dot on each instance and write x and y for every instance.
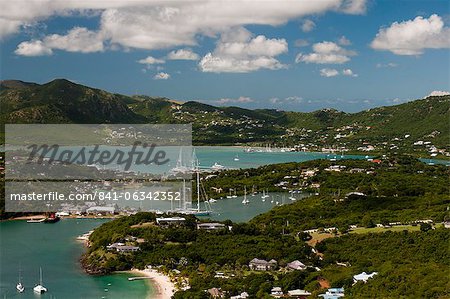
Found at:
(290, 55)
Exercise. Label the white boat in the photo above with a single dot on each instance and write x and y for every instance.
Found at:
(19, 287)
(292, 197)
(264, 194)
(39, 289)
(234, 196)
(236, 158)
(216, 167)
(212, 200)
(245, 201)
(36, 220)
(180, 168)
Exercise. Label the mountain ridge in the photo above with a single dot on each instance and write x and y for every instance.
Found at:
(63, 101)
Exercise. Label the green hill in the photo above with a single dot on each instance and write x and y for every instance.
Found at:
(61, 101)
(384, 128)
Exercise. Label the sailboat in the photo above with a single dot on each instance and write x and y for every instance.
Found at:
(39, 289)
(292, 197)
(180, 168)
(245, 201)
(234, 196)
(236, 158)
(229, 196)
(264, 194)
(200, 212)
(217, 167)
(20, 288)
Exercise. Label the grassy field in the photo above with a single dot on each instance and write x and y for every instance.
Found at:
(318, 237)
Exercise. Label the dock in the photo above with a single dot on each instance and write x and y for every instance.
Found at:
(138, 278)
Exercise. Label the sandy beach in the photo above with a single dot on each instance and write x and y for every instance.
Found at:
(164, 287)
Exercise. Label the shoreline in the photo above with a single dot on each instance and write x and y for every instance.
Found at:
(162, 287)
(41, 216)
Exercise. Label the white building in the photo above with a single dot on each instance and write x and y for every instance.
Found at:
(364, 277)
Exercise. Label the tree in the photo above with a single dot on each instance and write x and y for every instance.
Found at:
(367, 221)
(425, 227)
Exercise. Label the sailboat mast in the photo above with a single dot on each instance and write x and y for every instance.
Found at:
(40, 275)
(184, 193)
(198, 189)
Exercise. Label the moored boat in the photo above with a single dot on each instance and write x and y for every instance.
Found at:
(39, 289)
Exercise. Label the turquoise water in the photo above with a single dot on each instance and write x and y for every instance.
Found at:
(224, 155)
(53, 247)
(435, 161)
(234, 210)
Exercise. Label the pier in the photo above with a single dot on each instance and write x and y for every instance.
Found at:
(138, 278)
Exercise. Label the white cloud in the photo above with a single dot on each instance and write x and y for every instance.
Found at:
(308, 26)
(183, 54)
(149, 60)
(238, 51)
(154, 24)
(354, 7)
(349, 72)
(161, 76)
(33, 48)
(8, 27)
(286, 100)
(330, 47)
(321, 58)
(326, 53)
(412, 37)
(438, 93)
(78, 39)
(390, 64)
(343, 41)
(239, 100)
(328, 72)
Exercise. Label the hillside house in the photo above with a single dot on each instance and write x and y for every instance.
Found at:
(170, 221)
(364, 277)
(276, 292)
(210, 226)
(333, 293)
(262, 265)
(296, 265)
(122, 248)
(301, 294)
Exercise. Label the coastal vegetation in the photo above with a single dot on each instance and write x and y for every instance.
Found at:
(410, 262)
(346, 192)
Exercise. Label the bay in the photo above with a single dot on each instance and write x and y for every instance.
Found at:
(28, 246)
